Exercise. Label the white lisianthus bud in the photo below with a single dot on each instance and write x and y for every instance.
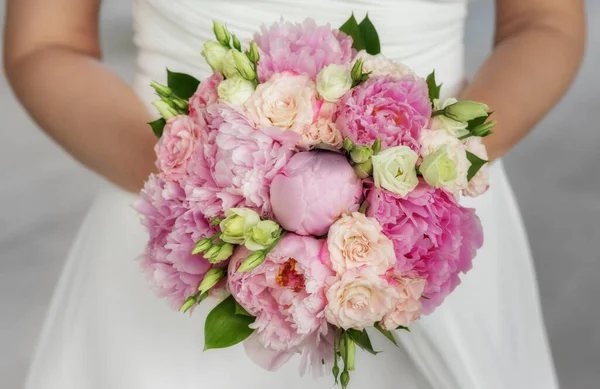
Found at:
(221, 33)
(215, 53)
(463, 111)
(333, 81)
(236, 43)
(219, 252)
(211, 278)
(262, 235)
(394, 170)
(166, 111)
(235, 90)
(364, 169)
(237, 223)
(447, 167)
(202, 246)
(361, 154)
(253, 53)
(442, 122)
(244, 66)
(253, 261)
(229, 68)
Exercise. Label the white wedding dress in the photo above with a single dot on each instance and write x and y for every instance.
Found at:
(106, 329)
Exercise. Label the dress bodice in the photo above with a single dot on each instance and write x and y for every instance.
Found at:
(424, 34)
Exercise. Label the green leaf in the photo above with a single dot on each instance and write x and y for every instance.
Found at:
(386, 333)
(472, 124)
(476, 164)
(183, 85)
(157, 126)
(239, 310)
(403, 328)
(223, 328)
(370, 36)
(361, 338)
(352, 29)
(434, 88)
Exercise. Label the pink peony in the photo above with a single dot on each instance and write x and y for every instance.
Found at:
(205, 96)
(434, 237)
(355, 241)
(174, 273)
(323, 131)
(300, 47)
(244, 160)
(286, 295)
(175, 147)
(408, 307)
(391, 109)
(313, 190)
(359, 298)
(287, 101)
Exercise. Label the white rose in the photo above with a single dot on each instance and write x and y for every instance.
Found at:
(480, 182)
(379, 65)
(394, 170)
(215, 53)
(236, 90)
(441, 122)
(229, 68)
(333, 82)
(447, 166)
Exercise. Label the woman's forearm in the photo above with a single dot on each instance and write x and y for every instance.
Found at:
(88, 110)
(527, 73)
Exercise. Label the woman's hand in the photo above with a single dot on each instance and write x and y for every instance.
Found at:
(538, 47)
(52, 60)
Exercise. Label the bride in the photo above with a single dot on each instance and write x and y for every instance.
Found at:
(105, 328)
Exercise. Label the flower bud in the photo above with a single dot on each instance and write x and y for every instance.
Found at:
(219, 252)
(211, 278)
(189, 302)
(348, 145)
(215, 54)
(235, 90)
(180, 104)
(350, 354)
(344, 379)
(253, 261)
(335, 371)
(253, 53)
(165, 110)
(365, 169)
(212, 252)
(484, 129)
(229, 68)
(237, 223)
(333, 81)
(361, 154)
(236, 42)
(466, 110)
(161, 90)
(376, 146)
(244, 66)
(215, 221)
(202, 245)
(221, 33)
(262, 235)
(357, 71)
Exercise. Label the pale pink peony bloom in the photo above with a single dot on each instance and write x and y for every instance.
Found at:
(434, 237)
(391, 109)
(175, 147)
(359, 298)
(286, 295)
(205, 95)
(314, 190)
(380, 65)
(244, 160)
(323, 131)
(480, 183)
(355, 241)
(300, 47)
(287, 101)
(408, 307)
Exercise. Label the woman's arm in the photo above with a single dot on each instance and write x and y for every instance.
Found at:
(52, 60)
(538, 48)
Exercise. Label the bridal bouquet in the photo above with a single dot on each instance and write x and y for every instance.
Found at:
(312, 185)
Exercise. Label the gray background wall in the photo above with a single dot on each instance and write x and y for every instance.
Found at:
(44, 195)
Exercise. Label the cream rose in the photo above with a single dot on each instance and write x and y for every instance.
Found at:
(333, 81)
(324, 132)
(408, 307)
(379, 65)
(442, 122)
(235, 90)
(358, 299)
(355, 241)
(394, 169)
(480, 182)
(286, 101)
